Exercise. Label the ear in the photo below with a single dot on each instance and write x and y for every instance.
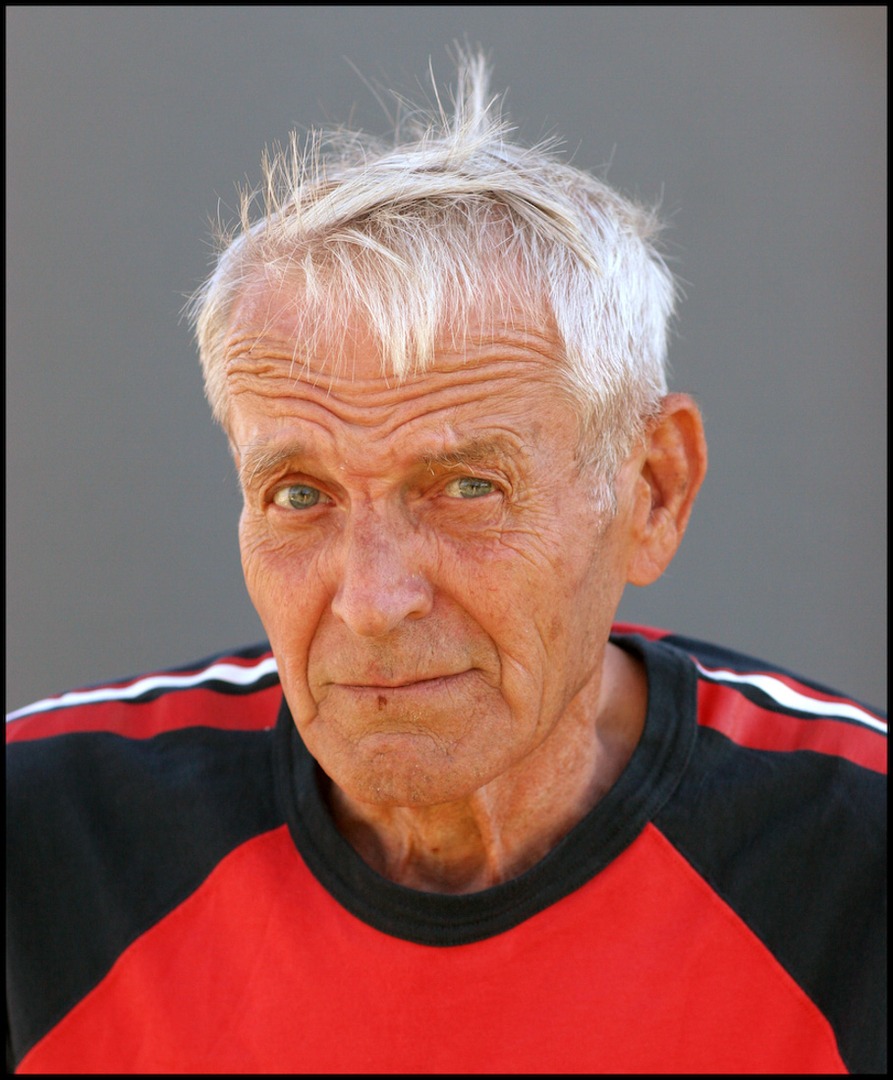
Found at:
(669, 472)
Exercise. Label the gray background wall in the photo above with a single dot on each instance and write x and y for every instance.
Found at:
(761, 128)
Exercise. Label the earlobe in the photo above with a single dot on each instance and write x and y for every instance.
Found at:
(672, 468)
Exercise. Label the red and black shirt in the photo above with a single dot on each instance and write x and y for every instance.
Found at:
(181, 901)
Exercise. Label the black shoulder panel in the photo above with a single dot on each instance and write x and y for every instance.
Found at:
(105, 836)
(795, 843)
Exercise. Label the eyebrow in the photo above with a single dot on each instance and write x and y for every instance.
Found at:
(473, 452)
(258, 462)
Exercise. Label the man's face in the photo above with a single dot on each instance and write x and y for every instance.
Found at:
(425, 555)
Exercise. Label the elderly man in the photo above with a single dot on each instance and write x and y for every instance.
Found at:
(449, 819)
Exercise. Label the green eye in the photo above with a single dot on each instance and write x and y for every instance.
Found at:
(297, 497)
(469, 487)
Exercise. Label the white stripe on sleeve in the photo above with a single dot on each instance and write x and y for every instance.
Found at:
(229, 673)
(793, 699)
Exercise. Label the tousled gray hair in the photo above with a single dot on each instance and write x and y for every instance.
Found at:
(414, 234)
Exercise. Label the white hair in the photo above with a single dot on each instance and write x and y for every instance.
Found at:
(415, 234)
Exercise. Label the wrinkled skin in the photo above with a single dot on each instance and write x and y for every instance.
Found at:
(438, 586)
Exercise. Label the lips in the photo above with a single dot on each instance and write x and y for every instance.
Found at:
(395, 683)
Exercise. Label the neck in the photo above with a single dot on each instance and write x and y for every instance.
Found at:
(508, 825)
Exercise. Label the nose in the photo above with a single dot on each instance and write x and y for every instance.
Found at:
(379, 580)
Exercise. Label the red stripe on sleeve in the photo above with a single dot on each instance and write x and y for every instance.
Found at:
(727, 710)
(795, 684)
(194, 707)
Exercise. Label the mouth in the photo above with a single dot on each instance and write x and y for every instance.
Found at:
(401, 684)
(398, 685)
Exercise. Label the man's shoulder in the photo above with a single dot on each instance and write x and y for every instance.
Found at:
(781, 814)
(237, 690)
(760, 705)
(121, 800)
(142, 769)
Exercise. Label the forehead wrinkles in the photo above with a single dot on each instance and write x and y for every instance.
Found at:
(341, 374)
(504, 377)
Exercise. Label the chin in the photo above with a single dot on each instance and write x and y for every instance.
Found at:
(408, 770)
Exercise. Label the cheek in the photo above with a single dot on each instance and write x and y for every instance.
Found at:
(283, 584)
(532, 577)
(504, 590)
(286, 592)
(548, 600)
